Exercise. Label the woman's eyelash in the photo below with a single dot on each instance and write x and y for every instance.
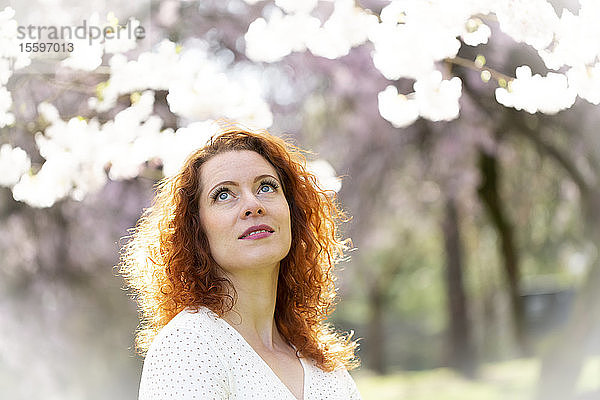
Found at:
(270, 182)
(217, 192)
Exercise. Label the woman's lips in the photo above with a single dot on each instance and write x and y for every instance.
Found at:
(257, 235)
(256, 230)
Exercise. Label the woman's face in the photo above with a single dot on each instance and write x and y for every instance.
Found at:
(243, 211)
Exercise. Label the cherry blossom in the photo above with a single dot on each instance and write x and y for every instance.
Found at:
(533, 93)
(78, 151)
(14, 162)
(85, 56)
(6, 117)
(11, 59)
(573, 44)
(397, 108)
(121, 43)
(413, 35)
(437, 98)
(271, 40)
(434, 99)
(279, 36)
(586, 81)
(475, 32)
(529, 21)
(347, 27)
(178, 145)
(199, 87)
(9, 44)
(87, 52)
(326, 176)
(203, 90)
(152, 70)
(52, 182)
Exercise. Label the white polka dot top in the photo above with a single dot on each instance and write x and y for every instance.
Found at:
(200, 356)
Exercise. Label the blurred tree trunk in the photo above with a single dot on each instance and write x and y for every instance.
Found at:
(376, 328)
(489, 194)
(461, 350)
(379, 297)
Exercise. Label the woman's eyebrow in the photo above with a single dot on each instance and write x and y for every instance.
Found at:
(233, 183)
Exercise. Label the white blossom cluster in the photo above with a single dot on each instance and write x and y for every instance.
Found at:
(199, 87)
(152, 70)
(413, 36)
(292, 28)
(326, 176)
(11, 59)
(14, 161)
(576, 45)
(79, 153)
(528, 21)
(87, 52)
(585, 80)
(576, 38)
(434, 98)
(534, 93)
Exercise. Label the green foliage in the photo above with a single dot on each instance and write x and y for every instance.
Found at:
(514, 380)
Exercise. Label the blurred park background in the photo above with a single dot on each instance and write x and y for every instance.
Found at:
(474, 194)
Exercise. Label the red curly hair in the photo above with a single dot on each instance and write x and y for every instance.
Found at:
(168, 263)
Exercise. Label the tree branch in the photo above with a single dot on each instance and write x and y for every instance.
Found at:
(513, 119)
(560, 157)
(463, 62)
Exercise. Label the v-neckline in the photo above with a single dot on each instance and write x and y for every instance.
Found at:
(277, 378)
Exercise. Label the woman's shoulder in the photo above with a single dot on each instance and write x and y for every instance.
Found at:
(192, 323)
(183, 358)
(194, 318)
(338, 380)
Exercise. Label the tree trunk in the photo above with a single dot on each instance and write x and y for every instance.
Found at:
(376, 327)
(490, 196)
(461, 350)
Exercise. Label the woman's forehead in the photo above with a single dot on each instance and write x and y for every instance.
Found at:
(238, 165)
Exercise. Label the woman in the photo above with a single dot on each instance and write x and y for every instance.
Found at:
(232, 268)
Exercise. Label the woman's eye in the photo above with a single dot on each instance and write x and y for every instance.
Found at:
(220, 195)
(266, 189)
(223, 196)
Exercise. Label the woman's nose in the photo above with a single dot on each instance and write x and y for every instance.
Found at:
(252, 206)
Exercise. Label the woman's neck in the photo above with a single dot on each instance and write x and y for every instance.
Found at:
(253, 312)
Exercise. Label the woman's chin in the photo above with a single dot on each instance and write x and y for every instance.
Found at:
(251, 263)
